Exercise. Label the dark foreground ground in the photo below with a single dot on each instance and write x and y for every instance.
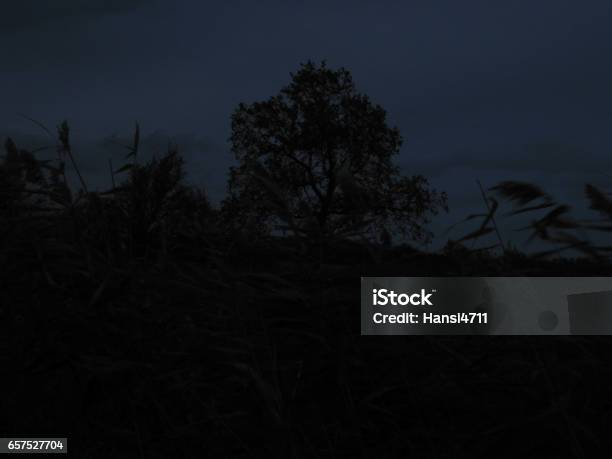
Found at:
(255, 351)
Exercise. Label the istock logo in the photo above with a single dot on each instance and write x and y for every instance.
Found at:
(383, 297)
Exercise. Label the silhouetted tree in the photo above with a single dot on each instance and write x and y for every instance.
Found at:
(317, 159)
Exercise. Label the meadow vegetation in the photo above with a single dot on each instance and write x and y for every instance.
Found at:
(142, 321)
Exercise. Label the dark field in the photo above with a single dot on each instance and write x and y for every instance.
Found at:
(189, 341)
(144, 322)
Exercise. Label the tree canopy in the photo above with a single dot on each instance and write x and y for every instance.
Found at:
(316, 159)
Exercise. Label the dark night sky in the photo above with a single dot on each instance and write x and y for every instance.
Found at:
(479, 89)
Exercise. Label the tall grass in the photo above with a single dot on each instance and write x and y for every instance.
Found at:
(141, 323)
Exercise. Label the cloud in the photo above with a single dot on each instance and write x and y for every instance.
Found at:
(542, 157)
(30, 13)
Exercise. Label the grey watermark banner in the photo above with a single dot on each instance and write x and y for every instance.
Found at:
(486, 305)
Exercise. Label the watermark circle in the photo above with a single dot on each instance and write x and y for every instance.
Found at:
(548, 320)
